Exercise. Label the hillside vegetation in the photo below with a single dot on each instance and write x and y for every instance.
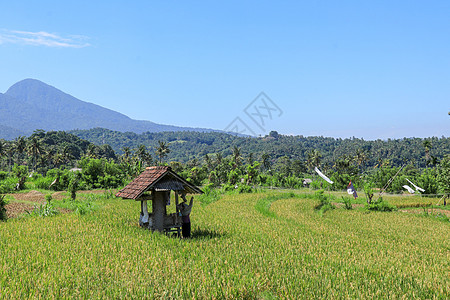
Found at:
(186, 146)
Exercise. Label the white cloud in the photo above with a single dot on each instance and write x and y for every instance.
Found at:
(42, 38)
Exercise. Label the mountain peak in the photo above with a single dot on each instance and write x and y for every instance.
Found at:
(31, 104)
(29, 87)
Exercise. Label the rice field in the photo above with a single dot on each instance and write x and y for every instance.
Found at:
(268, 245)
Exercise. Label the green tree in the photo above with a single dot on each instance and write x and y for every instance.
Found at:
(236, 157)
(427, 145)
(20, 146)
(443, 175)
(35, 149)
(162, 150)
(266, 163)
(126, 154)
(314, 158)
(143, 155)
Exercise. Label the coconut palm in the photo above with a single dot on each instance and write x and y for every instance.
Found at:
(35, 149)
(266, 164)
(126, 154)
(162, 151)
(143, 155)
(361, 158)
(236, 156)
(20, 145)
(427, 145)
(2, 149)
(314, 158)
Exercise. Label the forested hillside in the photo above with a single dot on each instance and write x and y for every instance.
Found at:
(224, 160)
(185, 146)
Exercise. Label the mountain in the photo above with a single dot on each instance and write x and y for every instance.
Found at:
(31, 104)
(9, 133)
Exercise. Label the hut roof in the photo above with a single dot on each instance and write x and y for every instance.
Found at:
(160, 178)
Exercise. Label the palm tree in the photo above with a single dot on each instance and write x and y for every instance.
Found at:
(208, 162)
(266, 161)
(67, 154)
(34, 149)
(9, 150)
(2, 149)
(91, 151)
(250, 158)
(162, 151)
(143, 155)
(427, 145)
(126, 154)
(20, 146)
(361, 158)
(236, 156)
(219, 158)
(314, 158)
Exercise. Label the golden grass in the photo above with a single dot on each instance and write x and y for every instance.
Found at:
(236, 252)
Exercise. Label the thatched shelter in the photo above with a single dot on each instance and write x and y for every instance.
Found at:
(155, 184)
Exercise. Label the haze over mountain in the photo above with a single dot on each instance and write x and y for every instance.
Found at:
(31, 104)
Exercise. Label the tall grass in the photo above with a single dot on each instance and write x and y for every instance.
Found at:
(236, 252)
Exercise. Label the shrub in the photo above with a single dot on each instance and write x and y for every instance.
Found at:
(43, 183)
(44, 210)
(380, 205)
(210, 195)
(347, 203)
(324, 202)
(73, 187)
(3, 215)
(48, 198)
(109, 194)
(3, 175)
(8, 185)
(245, 189)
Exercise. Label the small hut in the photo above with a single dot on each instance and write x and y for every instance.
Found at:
(155, 184)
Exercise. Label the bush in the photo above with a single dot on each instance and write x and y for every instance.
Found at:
(3, 175)
(8, 185)
(44, 210)
(3, 215)
(43, 183)
(245, 189)
(347, 203)
(324, 202)
(380, 205)
(210, 195)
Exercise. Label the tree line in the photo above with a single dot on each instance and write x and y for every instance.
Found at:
(222, 160)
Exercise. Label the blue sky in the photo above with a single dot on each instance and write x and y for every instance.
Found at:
(378, 69)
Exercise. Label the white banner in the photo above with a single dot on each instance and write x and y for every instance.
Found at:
(415, 186)
(323, 176)
(408, 189)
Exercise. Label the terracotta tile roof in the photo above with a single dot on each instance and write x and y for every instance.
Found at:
(159, 178)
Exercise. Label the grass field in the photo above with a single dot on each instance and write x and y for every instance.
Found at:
(267, 245)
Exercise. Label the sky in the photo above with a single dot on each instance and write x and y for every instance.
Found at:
(366, 69)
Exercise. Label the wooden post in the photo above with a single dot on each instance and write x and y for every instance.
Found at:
(159, 210)
(177, 211)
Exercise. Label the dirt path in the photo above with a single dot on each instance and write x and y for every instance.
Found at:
(25, 202)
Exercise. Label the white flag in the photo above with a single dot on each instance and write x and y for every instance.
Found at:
(323, 176)
(415, 186)
(409, 189)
